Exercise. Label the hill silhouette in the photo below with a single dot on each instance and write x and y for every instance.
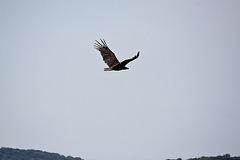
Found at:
(224, 157)
(19, 154)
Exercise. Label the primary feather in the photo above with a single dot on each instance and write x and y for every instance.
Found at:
(107, 55)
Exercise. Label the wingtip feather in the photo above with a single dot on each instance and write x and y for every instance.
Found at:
(137, 55)
(99, 45)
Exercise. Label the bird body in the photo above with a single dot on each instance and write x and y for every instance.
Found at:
(110, 59)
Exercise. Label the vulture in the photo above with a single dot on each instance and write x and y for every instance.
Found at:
(110, 59)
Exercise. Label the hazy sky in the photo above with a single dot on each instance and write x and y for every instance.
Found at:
(180, 98)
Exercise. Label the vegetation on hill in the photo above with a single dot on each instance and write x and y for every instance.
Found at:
(224, 157)
(18, 154)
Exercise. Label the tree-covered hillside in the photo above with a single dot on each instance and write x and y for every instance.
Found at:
(18, 154)
(224, 157)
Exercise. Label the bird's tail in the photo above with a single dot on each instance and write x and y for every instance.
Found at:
(107, 69)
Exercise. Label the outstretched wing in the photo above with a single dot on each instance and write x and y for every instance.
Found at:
(107, 55)
(125, 62)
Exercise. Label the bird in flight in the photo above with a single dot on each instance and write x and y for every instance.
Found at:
(109, 57)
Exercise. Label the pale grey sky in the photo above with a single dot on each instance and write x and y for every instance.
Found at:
(180, 98)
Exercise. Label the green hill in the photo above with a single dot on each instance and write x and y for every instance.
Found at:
(224, 157)
(19, 154)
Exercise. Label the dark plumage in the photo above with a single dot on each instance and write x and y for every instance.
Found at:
(110, 58)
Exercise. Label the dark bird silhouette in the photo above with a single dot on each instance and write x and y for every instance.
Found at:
(110, 58)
